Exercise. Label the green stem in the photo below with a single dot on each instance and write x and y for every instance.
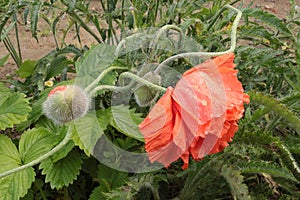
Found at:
(99, 78)
(159, 33)
(17, 38)
(123, 41)
(210, 54)
(66, 139)
(108, 87)
(124, 88)
(141, 80)
(289, 160)
(86, 27)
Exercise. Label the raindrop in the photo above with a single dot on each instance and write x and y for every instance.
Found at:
(204, 103)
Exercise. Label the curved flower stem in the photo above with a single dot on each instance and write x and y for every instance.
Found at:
(110, 87)
(162, 31)
(199, 54)
(141, 80)
(127, 87)
(122, 42)
(98, 79)
(66, 139)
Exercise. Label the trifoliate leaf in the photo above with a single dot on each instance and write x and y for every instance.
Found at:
(14, 108)
(36, 142)
(126, 121)
(63, 172)
(15, 185)
(86, 132)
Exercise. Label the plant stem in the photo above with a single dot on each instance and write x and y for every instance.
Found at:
(199, 54)
(123, 88)
(289, 160)
(141, 80)
(66, 139)
(98, 79)
(86, 27)
(159, 33)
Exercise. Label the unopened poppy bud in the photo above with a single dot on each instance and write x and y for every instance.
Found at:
(65, 103)
(145, 95)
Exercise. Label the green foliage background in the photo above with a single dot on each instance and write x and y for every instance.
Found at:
(263, 160)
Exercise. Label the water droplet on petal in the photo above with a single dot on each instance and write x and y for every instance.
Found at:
(203, 102)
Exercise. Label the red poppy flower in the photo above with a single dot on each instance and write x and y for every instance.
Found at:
(197, 117)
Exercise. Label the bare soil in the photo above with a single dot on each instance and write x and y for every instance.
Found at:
(34, 50)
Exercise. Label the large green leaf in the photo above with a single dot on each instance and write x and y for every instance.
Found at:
(36, 142)
(9, 155)
(15, 185)
(62, 172)
(126, 121)
(86, 133)
(14, 108)
(97, 59)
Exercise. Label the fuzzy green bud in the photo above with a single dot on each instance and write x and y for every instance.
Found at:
(145, 95)
(65, 103)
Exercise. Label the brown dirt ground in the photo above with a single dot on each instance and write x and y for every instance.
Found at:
(33, 50)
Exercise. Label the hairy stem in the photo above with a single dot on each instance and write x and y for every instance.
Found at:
(210, 54)
(90, 87)
(141, 80)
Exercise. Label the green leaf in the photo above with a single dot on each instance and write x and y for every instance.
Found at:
(126, 121)
(36, 142)
(3, 60)
(63, 172)
(268, 19)
(34, 17)
(94, 61)
(298, 49)
(63, 152)
(97, 194)
(86, 132)
(104, 118)
(58, 63)
(14, 108)
(26, 68)
(268, 168)
(15, 185)
(111, 176)
(235, 180)
(9, 155)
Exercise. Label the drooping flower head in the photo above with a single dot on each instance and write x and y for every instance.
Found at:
(199, 116)
(65, 103)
